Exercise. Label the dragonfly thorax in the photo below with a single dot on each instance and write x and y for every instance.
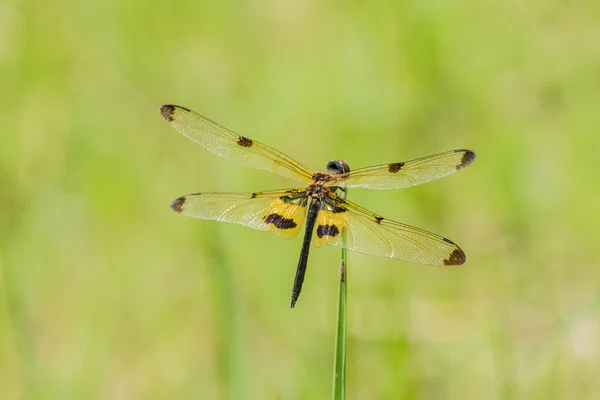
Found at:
(317, 190)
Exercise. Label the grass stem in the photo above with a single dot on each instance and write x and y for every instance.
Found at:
(339, 363)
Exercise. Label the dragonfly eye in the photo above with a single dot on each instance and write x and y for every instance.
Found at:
(338, 167)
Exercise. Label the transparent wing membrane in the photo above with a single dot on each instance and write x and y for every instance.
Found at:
(232, 146)
(405, 174)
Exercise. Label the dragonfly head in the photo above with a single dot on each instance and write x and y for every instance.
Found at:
(337, 167)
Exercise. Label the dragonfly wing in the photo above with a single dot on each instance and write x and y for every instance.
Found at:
(367, 232)
(232, 146)
(405, 174)
(281, 211)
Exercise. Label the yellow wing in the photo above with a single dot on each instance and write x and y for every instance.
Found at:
(405, 174)
(368, 233)
(281, 211)
(232, 146)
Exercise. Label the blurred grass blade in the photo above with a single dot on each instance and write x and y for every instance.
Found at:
(13, 282)
(229, 347)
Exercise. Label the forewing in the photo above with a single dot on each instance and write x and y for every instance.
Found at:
(230, 145)
(281, 211)
(368, 233)
(405, 174)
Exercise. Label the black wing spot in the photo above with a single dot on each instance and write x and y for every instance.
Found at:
(279, 221)
(244, 142)
(466, 159)
(378, 219)
(395, 167)
(167, 111)
(177, 204)
(253, 196)
(327, 230)
(457, 257)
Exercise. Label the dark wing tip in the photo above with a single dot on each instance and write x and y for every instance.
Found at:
(467, 158)
(166, 111)
(177, 204)
(457, 257)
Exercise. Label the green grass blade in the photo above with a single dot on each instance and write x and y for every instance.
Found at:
(339, 363)
(339, 367)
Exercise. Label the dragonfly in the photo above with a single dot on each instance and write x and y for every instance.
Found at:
(321, 204)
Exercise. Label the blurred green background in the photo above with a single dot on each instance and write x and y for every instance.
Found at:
(105, 293)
